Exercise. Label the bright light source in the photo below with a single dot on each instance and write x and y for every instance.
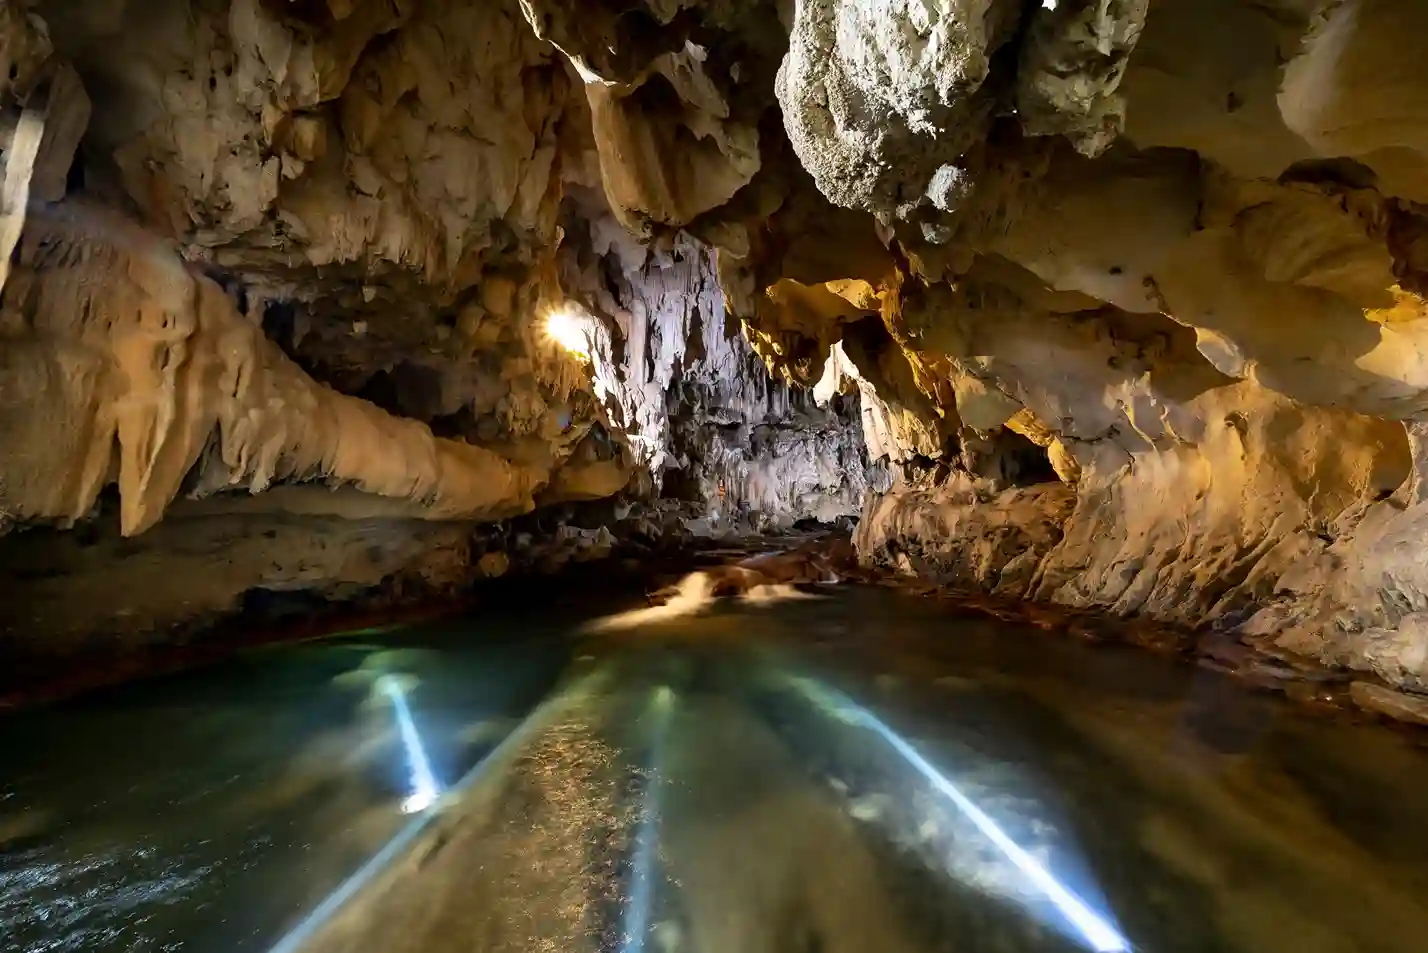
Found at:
(569, 330)
(1102, 937)
(425, 790)
(419, 801)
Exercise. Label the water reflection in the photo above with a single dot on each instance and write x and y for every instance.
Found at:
(1092, 926)
(211, 811)
(791, 776)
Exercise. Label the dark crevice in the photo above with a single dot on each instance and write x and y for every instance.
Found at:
(74, 178)
(1023, 462)
(381, 390)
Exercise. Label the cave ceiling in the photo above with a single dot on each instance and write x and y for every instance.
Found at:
(260, 242)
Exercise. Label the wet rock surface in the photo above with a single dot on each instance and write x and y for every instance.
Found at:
(1400, 706)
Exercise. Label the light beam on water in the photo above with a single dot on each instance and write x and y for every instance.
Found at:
(424, 787)
(637, 908)
(312, 925)
(1102, 937)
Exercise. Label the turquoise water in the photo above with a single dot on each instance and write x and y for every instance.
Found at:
(857, 772)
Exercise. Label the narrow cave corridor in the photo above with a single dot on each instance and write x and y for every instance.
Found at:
(713, 476)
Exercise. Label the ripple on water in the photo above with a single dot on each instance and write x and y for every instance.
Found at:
(102, 900)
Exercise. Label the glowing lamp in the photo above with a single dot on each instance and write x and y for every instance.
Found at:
(570, 330)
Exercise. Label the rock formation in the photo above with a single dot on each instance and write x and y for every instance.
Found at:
(309, 253)
(1125, 296)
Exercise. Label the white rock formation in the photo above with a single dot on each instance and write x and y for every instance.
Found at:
(703, 417)
(1128, 292)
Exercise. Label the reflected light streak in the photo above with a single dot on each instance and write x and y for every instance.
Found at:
(306, 931)
(1102, 937)
(424, 790)
(637, 912)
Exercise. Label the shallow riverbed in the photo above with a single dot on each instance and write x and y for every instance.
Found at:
(858, 771)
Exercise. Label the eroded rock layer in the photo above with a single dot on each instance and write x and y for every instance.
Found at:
(1124, 297)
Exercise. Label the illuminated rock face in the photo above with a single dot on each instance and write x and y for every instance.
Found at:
(280, 306)
(1212, 325)
(1126, 293)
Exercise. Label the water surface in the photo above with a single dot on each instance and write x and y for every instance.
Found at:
(808, 775)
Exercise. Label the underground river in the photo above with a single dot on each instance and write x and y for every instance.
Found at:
(858, 771)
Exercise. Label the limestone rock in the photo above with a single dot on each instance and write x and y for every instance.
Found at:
(1385, 701)
(669, 149)
(953, 533)
(493, 565)
(744, 444)
(1358, 88)
(608, 42)
(1071, 68)
(130, 357)
(201, 562)
(1112, 303)
(1205, 76)
(877, 98)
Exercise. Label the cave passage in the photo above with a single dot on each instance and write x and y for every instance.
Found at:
(855, 771)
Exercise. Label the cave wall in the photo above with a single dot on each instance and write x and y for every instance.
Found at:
(707, 423)
(1210, 317)
(276, 320)
(1113, 303)
(1176, 245)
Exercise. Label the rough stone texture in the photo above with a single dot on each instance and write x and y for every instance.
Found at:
(1126, 294)
(1211, 325)
(880, 99)
(994, 541)
(120, 354)
(669, 148)
(309, 252)
(1071, 67)
(705, 420)
(272, 136)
